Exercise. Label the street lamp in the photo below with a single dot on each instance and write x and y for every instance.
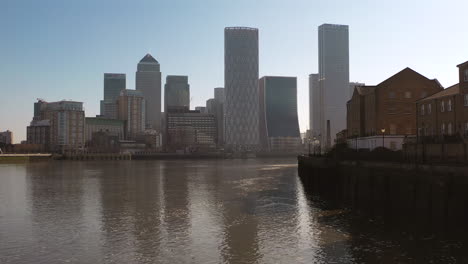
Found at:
(308, 141)
(383, 137)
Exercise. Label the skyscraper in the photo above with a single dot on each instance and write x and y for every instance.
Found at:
(315, 107)
(131, 108)
(176, 92)
(114, 83)
(279, 124)
(219, 94)
(333, 80)
(148, 81)
(241, 88)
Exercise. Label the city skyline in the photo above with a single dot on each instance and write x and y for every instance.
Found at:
(33, 65)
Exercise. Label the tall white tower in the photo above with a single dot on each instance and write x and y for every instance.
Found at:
(333, 80)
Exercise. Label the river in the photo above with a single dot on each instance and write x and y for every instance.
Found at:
(198, 211)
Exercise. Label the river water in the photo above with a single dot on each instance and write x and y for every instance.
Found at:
(203, 211)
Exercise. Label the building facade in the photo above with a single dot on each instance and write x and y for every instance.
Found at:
(444, 115)
(387, 109)
(66, 125)
(215, 107)
(176, 92)
(111, 127)
(219, 94)
(114, 83)
(315, 99)
(131, 109)
(148, 82)
(38, 132)
(279, 124)
(241, 88)
(190, 131)
(6, 137)
(333, 80)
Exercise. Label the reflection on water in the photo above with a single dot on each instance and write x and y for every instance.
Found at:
(212, 211)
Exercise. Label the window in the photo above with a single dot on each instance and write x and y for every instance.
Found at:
(442, 106)
(429, 108)
(466, 75)
(408, 94)
(466, 100)
(449, 128)
(466, 129)
(422, 109)
(423, 94)
(391, 95)
(442, 129)
(393, 129)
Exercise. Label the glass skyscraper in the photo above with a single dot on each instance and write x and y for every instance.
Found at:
(114, 83)
(279, 124)
(241, 88)
(176, 92)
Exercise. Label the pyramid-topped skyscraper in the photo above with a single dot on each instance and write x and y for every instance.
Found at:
(148, 81)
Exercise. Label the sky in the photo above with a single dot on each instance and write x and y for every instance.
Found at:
(60, 49)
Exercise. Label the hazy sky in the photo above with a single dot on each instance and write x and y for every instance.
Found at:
(60, 49)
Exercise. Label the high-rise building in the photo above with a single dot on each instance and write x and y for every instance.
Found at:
(63, 121)
(114, 83)
(315, 107)
(176, 92)
(131, 108)
(333, 80)
(219, 94)
(148, 81)
(241, 88)
(215, 107)
(6, 137)
(279, 124)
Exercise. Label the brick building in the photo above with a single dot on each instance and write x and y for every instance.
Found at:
(444, 115)
(387, 109)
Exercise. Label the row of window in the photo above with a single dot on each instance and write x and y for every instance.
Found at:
(445, 129)
(442, 106)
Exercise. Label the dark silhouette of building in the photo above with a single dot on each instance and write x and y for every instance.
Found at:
(279, 124)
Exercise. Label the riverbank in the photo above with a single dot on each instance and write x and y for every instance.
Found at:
(420, 198)
(22, 158)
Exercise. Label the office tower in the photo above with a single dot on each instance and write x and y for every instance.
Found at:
(131, 108)
(114, 83)
(6, 137)
(219, 94)
(279, 124)
(190, 131)
(58, 124)
(176, 92)
(333, 80)
(148, 81)
(241, 88)
(315, 107)
(215, 107)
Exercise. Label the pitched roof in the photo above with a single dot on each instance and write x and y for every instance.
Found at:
(409, 70)
(148, 58)
(454, 89)
(363, 90)
(462, 64)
